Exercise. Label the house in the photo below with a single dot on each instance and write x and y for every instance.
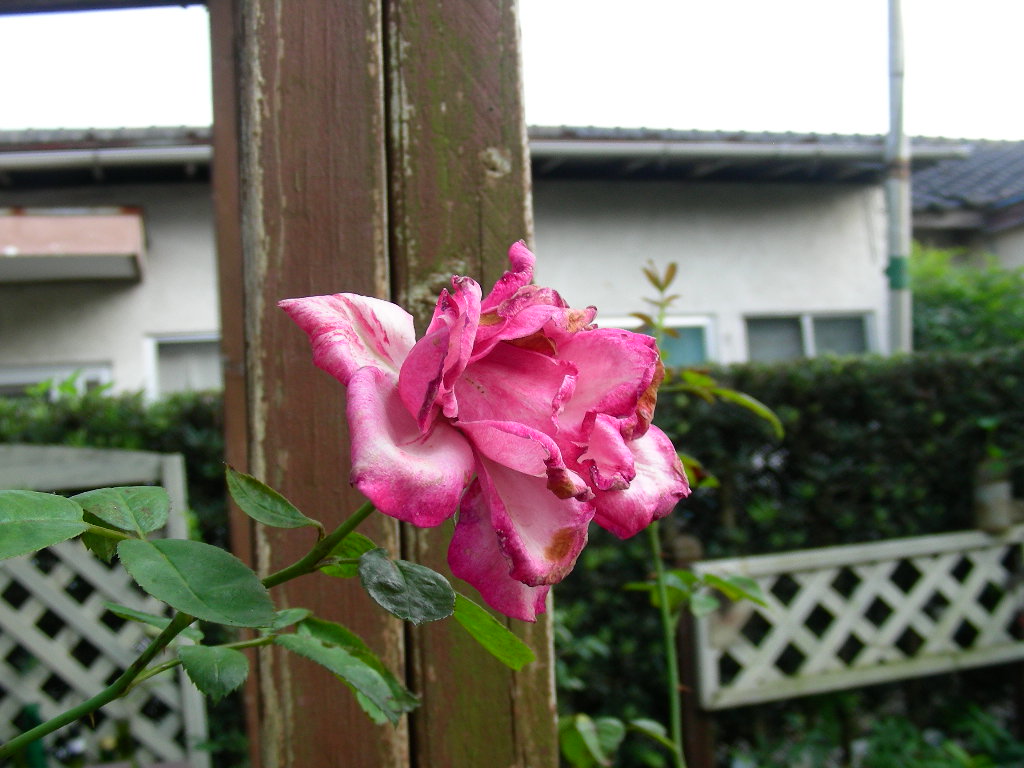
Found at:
(779, 238)
(975, 202)
(108, 265)
(107, 260)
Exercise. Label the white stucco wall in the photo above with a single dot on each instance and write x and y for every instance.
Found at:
(741, 250)
(86, 323)
(1009, 247)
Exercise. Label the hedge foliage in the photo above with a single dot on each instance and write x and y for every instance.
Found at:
(875, 448)
(964, 306)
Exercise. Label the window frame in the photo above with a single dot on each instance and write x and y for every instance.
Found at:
(806, 320)
(151, 356)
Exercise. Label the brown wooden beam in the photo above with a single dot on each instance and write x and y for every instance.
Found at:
(459, 192)
(313, 202)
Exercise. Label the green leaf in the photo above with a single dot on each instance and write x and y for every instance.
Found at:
(30, 520)
(198, 579)
(702, 604)
(736, 587)
(331, 633)
(152, 619)
(263, 504)
(653, 277)
(102, 547)
(285, 618)
(670, 275)
(652, 729)
(753, 405)
(644, 318)
(407, 590)
(216, 671)
(610, 733)
(492, 634)
(138, 508)
(683, 576)
(360, 675)
(581, 746)
(352, 547)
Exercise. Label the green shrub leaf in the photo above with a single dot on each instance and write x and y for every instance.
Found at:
(287, 617)
(198, 579)
(409, 591)
(140, 508)
(352, 547)
(492, 634)
(330, 633)
(357, 673)
(143, 617)
(216, 671)
(579, 741)
(30, 521)
(263, 504)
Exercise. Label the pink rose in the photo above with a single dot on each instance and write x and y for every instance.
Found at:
(514, 410)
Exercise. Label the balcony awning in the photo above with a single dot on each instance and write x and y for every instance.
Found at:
(48, 246)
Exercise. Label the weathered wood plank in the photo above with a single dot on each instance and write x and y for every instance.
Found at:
(313, 212)
(459, 179)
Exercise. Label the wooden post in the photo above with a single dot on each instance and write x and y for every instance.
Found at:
(459, 181)
(381, 148)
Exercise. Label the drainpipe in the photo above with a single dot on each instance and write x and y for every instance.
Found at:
(897, 195)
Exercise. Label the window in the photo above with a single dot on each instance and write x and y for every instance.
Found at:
(15, 380)
(687, 344)
(797, 336)
(184, 364)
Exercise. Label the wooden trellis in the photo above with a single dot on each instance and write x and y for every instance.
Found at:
(60, 644)
(849, 616)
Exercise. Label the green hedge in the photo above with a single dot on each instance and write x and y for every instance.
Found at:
(190, 424)
(874, 448)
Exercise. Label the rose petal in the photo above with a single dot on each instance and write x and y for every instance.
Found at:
(529, 451)
(615, 371)
(540, 534)
(474, 556)
(406, 474)
(607, 460)
(528, 384)
(429, 373)
(521, 261)
(659, 484)
(349, 332)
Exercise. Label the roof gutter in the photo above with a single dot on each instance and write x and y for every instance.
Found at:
(686, 150)
(540, 149)
(38, 160)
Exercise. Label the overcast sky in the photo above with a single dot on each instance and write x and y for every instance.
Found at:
(799, 65)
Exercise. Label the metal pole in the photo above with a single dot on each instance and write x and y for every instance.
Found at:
(897, 194)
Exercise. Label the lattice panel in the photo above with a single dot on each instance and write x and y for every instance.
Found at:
(59, 645)
(849, 616)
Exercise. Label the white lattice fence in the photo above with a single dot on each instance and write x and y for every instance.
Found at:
(59, 644)
(848, 616)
